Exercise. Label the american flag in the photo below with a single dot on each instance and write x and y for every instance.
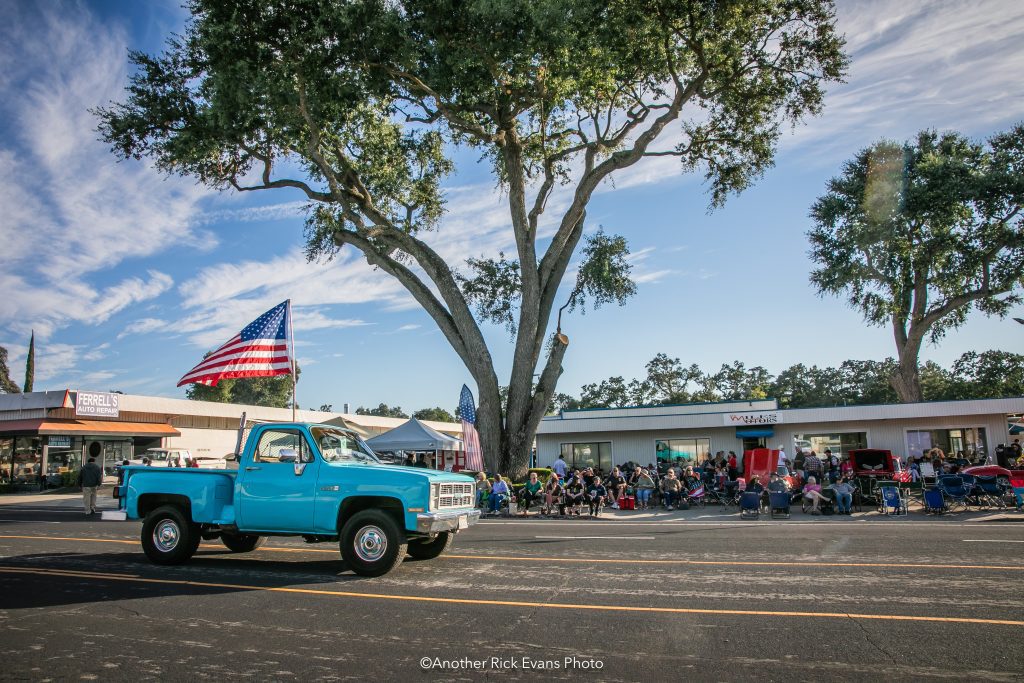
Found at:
(470, 439)
(259, 350)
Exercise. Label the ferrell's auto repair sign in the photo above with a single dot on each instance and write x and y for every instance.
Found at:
(752, 419)
(96, 404)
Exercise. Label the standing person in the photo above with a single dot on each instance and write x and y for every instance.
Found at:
(90, 478)
(733, 472)
(782, 457)
(560, 467)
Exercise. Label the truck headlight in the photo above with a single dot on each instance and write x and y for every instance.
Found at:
(435, 496)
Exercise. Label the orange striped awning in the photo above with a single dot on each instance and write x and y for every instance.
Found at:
(87, 427)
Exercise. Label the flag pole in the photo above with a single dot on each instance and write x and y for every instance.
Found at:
(291, 348)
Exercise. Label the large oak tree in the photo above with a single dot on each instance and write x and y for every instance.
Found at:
(359, 104)
(917, 234)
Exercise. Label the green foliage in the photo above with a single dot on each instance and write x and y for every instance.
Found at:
(435, 414)
(914, 235)
(991, 374)
(7, 385)
(365, 102)
(383, 410)
(30, 364)
(272, 392)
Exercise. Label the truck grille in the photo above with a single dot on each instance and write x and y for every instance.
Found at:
(456, 496)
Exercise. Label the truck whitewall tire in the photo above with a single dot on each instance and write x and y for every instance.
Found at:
(168, 536)
(429, 548)
(372, 544)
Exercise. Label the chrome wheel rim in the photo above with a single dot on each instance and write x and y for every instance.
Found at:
(371, 543)
(166, 535)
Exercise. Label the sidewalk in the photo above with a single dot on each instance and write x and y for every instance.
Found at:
(60, 498)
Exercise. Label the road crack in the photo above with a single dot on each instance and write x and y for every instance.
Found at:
(867, 637)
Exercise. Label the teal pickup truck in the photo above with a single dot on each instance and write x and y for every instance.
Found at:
(295, 479)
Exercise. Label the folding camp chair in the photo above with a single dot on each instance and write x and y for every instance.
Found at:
(750, 505)
(990, 491)
(893, 502)
(778, 504)
(696, 496)
(1017, 486)
(954, 490)
(934, 502)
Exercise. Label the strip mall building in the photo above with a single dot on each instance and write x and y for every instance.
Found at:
(53, 432)
(606, 437)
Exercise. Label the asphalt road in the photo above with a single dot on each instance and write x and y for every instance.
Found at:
(829, 598)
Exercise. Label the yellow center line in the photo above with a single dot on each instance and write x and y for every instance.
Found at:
(508, 603)
(601, 560)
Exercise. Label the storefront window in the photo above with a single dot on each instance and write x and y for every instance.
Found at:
(63, 455)
(689, 451)
(28, 459)
(6, 459)
(965, 442)
(582, 455)
(839, 444)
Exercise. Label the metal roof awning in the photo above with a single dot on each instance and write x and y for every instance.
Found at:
(87, 427)
(755, 432)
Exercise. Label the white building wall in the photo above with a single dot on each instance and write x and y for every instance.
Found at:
(204, 442)
(638, 445)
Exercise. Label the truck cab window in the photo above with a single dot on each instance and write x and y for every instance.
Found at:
(286, 446)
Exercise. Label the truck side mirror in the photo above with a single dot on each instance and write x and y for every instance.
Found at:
(288, 455)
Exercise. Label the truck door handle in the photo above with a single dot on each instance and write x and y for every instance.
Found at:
(252, 469)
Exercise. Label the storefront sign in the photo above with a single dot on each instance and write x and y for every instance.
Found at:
(59, 442)
(745, 419)
(96, 404)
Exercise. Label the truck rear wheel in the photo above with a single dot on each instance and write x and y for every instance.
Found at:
(242, 543)
(428, 549)
(372, 544)
(168, 537)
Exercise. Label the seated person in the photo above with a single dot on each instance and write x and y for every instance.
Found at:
(844, 496)
(499, 494)
(483, 488)
(553, 495)
(670, 488)
(595, 496)
(755, 485)
(777, 484)
(573, 494)
(616, 485)
(644, 489)
(812, 492)
(530, 493)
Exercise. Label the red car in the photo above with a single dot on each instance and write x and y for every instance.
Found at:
(877, 463)
(995, 471)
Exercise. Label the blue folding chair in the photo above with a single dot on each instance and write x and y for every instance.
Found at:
(750, 505)
(955, 490)
(778, 504)
(934, 502)
(990, 491)
(892, 501)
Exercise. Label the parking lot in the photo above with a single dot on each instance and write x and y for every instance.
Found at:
(610, 599)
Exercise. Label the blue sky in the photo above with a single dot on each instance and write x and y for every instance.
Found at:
(128, 277)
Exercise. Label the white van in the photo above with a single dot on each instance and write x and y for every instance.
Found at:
(178, 457)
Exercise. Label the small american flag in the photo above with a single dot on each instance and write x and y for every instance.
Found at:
(470, 439)
(259, 350)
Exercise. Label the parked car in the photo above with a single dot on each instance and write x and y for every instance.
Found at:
(177, 457)
(296, 479)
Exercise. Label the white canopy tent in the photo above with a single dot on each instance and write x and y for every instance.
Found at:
(416, 437)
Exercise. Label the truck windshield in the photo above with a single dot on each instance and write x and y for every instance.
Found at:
(340, 446)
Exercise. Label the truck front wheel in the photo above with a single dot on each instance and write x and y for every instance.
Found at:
(372, 544)
(242, 543)
(168, 537)
(428, 549)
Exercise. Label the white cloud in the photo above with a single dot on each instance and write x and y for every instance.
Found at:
(143, 326)
(71, 211)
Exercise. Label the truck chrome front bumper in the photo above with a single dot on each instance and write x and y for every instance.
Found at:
(434, 522)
